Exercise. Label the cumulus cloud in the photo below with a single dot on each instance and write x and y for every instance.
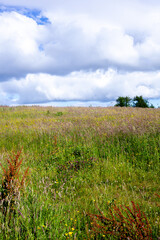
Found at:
(50, 50)
(59, 48)
(73, 42)
(81, 86)
(19, 45)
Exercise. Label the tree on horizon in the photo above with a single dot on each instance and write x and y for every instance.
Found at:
(123, 102)
(137, 101)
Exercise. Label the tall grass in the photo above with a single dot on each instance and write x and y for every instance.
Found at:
(79, 157)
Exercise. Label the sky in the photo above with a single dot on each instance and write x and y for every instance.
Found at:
(81, 52)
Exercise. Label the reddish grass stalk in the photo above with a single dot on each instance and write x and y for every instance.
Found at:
(11, 183)
(157, 195)
(123, 223)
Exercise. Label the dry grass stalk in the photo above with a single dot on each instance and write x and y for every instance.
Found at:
(11, 183)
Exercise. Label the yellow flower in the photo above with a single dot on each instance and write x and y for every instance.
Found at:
(72, 229)
(70, 233)
(103, 235)
(38, 228)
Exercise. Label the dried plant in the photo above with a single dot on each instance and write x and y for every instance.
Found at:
(157, 195)
(11, 183)
(123, 223)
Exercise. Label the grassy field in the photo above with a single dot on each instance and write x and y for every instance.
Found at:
(79, 159)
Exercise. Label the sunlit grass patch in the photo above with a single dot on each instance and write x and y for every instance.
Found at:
(80, 158)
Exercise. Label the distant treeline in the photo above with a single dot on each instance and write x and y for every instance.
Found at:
(137, 101)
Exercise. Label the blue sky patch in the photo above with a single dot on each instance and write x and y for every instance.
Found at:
(35, 14)
(41, 48)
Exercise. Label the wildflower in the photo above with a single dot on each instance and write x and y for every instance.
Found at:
(38, 228)
(72, 229)
(70, 233)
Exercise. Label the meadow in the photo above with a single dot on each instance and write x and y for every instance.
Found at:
(81, 160)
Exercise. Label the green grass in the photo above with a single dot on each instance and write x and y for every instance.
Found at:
(79, 158)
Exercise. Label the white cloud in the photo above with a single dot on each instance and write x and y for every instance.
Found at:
(59, 48)
(98, 86)
(78, 40)
(56, 60)
(19, 45)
